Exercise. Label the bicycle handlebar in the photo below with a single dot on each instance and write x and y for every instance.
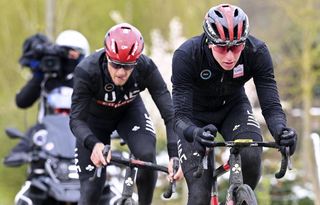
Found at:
(172, 187)
(131, 162)
(240, 143)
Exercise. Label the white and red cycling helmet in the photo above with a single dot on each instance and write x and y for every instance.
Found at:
(226, 25)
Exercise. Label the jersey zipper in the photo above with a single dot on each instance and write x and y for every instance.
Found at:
(221, 80)
(222, 77)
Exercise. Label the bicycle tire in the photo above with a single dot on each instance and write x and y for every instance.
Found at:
(245, 196)
(126, 201)
(130, 201)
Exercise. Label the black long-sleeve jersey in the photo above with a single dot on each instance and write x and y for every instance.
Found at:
(31, 92)
(96, 95)
(200, 84)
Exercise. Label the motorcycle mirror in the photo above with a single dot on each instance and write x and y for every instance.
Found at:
(14, 133)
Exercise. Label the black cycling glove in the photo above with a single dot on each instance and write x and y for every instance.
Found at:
(204, 134)
(287, 137)
(201, 137)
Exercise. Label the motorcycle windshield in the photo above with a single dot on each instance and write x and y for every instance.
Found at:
(60, 140)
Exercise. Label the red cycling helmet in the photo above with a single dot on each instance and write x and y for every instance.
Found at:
(226, 24)
(123, 44)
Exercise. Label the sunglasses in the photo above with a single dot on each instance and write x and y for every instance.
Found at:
(224, 49)
(125, 66)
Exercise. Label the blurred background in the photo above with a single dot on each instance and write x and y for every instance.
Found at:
(290, 28)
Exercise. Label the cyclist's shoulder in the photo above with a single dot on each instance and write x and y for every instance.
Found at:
(254, 45)
(192, 45)
(93, 60)
(145, 66)
(145, 63)
(90, 66)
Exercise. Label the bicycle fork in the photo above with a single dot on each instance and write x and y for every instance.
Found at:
(215, 174)
(128, 185)
(235, 179)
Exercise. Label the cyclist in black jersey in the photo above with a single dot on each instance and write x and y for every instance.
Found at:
(208, 75)
(106, 98)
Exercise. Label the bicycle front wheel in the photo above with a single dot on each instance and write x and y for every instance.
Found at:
(126, 201)
(245, 196)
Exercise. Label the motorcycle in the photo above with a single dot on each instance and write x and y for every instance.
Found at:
(52, 173)
(52, 177)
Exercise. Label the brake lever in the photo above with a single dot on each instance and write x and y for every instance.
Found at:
(172, 188)
(98, 171)
(289, 158)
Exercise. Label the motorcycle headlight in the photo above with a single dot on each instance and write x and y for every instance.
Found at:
(40, 137)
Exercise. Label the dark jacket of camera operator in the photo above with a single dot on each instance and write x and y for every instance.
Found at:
(44, 82)
(51, 66)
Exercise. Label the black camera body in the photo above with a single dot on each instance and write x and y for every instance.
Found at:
(50, 64)
(50, 57)
(41, 55)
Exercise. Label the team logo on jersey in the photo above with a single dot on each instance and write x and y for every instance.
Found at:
(109, 87)
(205, 74)
(238, 71)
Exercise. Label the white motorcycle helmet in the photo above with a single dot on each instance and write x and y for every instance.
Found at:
(59, 100)
(75, 40)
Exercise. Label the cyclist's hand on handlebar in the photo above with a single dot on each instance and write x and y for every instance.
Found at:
(205, 135)
(288, 137)
(174, 176)
(97, 157)
(200, 137)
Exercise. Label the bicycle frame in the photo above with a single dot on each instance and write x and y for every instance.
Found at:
(234, 166)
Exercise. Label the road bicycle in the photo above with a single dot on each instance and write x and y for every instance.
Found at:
(238, 193)
(132, 165)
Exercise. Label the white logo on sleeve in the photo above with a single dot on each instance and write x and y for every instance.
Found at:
(149, 124)
(252, 120)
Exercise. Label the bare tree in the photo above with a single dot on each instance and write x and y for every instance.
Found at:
(50, 13)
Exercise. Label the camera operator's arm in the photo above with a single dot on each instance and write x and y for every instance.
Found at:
(29, 93)
(32, 90)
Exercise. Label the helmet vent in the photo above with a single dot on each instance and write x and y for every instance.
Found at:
(125, 27)
(218, 13)
(116, 47)
(236, 13)
(226, 32)
(131, 49)
(235, 31)
(215, 29)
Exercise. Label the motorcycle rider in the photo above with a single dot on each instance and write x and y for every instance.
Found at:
(106, 98)
(52, 66)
